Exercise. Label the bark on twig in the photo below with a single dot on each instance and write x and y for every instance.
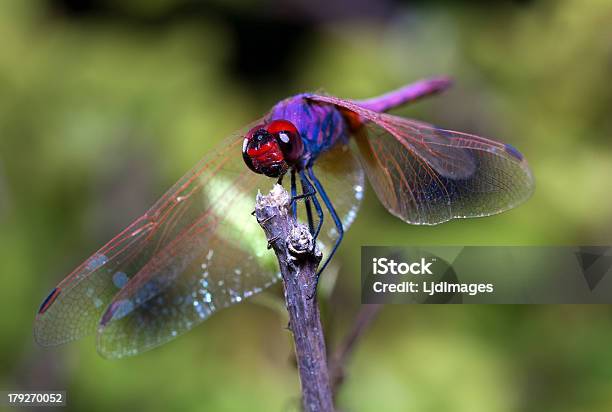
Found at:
(298, 261)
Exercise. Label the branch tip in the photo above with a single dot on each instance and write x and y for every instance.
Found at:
(278, 197)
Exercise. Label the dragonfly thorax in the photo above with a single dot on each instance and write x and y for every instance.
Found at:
(273, 148)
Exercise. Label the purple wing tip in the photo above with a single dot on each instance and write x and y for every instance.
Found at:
(108, 315)
(49, 300)
(116, 310)
(513, 151)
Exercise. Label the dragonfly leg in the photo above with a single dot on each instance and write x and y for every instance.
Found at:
(293, 194)
(295, 197)
(312, 195)
(336, 220)
(305, 194)
(308, 208)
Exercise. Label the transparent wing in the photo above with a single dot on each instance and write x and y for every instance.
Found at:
(215, 268)
(74, 307)
(198, 249)
(219, 260)
(426, 175)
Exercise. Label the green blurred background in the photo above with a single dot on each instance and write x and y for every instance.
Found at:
(104, 104)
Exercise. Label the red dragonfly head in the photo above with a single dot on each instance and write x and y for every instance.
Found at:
(271, 149)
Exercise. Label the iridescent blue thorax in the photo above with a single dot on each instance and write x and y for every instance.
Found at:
(321, 126)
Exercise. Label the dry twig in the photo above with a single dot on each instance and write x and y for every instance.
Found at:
(298, 260)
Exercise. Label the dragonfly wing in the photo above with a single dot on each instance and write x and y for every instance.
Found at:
(426, 175)
(74, 307)
(223, 261)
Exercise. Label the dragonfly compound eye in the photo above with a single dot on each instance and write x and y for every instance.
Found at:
(262, 154)
(288, 139)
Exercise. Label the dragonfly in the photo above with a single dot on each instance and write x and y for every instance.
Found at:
(198, 249)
